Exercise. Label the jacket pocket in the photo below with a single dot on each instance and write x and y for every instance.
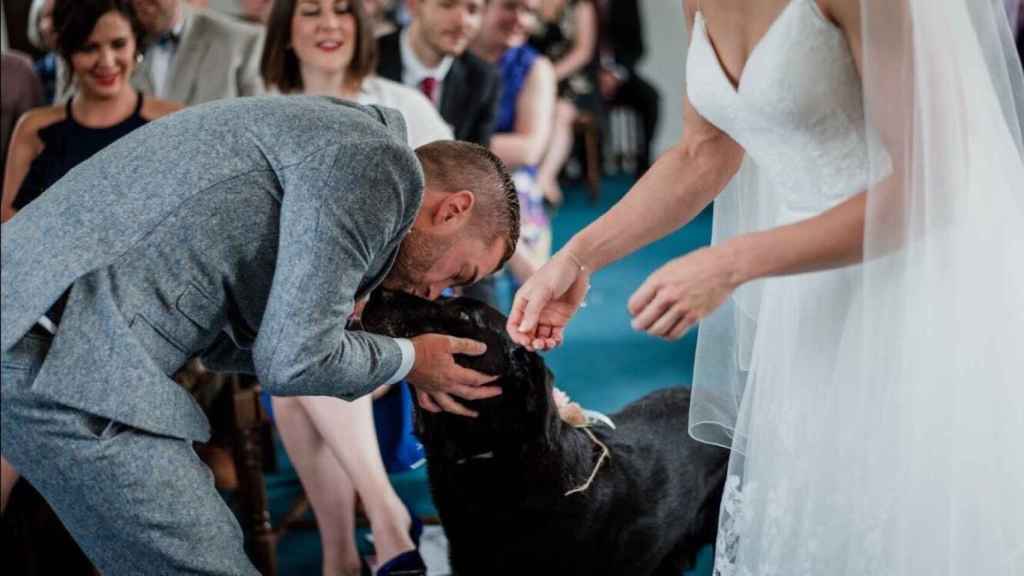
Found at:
(200, 309)
(101, 428)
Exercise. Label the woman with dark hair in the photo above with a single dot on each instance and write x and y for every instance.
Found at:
(98, 41)
(327, 47)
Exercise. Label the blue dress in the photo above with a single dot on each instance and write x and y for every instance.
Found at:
(515, 66)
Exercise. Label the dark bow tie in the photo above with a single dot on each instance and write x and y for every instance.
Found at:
(168, 40)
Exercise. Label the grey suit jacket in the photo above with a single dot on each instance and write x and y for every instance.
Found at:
(217, 57)
(240, 231)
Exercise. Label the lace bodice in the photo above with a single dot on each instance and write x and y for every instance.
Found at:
(797, 110)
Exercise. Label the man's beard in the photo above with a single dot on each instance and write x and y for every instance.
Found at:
(417, 254)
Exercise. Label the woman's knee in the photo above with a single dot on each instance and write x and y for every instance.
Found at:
(565, 113)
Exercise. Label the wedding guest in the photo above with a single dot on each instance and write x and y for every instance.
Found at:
(195, 55)
(430, 55)
(567, 34)
(621, 48)
(524, 118)
(327, 47)
(98, 42)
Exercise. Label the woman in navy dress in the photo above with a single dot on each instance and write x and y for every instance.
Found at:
(99, 42)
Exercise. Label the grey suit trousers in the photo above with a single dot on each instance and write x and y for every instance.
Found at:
(136, 502)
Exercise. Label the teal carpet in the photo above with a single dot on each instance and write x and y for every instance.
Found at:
(603, 364)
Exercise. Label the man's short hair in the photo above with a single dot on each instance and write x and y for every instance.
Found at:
(450, 166)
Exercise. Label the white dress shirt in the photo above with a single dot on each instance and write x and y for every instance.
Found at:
(161, 58)
(414, 71)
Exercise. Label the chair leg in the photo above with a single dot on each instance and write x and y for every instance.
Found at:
(593, 147)
(247, 420)
(586, 125)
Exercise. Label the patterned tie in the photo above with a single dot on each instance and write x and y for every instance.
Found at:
(427, 86)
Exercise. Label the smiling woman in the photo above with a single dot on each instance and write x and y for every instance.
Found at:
(98, 40)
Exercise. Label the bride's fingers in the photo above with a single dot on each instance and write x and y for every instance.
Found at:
(515, 316)
(683, 326)
(648, 315)
(531, 312)
(663, 325)
(642, 297)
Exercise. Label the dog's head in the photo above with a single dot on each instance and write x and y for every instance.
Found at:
(523, 413)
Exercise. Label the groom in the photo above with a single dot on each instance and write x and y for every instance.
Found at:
(242, 232)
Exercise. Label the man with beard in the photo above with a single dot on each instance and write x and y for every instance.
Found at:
(430, 55)
(242, 232)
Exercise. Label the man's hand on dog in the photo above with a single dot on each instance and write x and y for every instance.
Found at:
(437, 377)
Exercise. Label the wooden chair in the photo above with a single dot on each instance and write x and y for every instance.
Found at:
(251, 447)
(588, 128)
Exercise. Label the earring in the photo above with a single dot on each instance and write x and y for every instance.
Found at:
(139, 57)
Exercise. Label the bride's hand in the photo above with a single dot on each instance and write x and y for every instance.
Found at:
(683, 292)
(546, 302)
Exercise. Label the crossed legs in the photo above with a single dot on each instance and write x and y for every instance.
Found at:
(559, 148)
(333, 446)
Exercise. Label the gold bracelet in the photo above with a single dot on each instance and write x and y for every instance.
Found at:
(574, 259)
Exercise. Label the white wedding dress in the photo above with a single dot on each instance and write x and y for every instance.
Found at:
(765, 382)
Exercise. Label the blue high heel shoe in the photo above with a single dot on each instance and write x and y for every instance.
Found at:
(407, 563)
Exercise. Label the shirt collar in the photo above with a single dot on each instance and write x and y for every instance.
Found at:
(415, 71)
(178, 30)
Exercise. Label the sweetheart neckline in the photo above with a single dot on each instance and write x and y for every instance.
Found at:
(737, 86)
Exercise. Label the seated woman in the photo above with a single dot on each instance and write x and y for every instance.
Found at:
(98, 41)
(524, 119)
(568, 35)
(327, 47)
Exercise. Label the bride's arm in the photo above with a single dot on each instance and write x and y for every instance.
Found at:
(678, 186)
(689, 288)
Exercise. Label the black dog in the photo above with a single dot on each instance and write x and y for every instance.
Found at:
(500, 481)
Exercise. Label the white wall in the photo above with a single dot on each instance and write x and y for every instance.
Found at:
(663, 66)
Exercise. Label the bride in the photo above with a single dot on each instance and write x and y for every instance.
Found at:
(861, 306)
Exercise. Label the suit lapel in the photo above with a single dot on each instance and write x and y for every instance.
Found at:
(187, 64)
(453, 97)
(391, 66)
